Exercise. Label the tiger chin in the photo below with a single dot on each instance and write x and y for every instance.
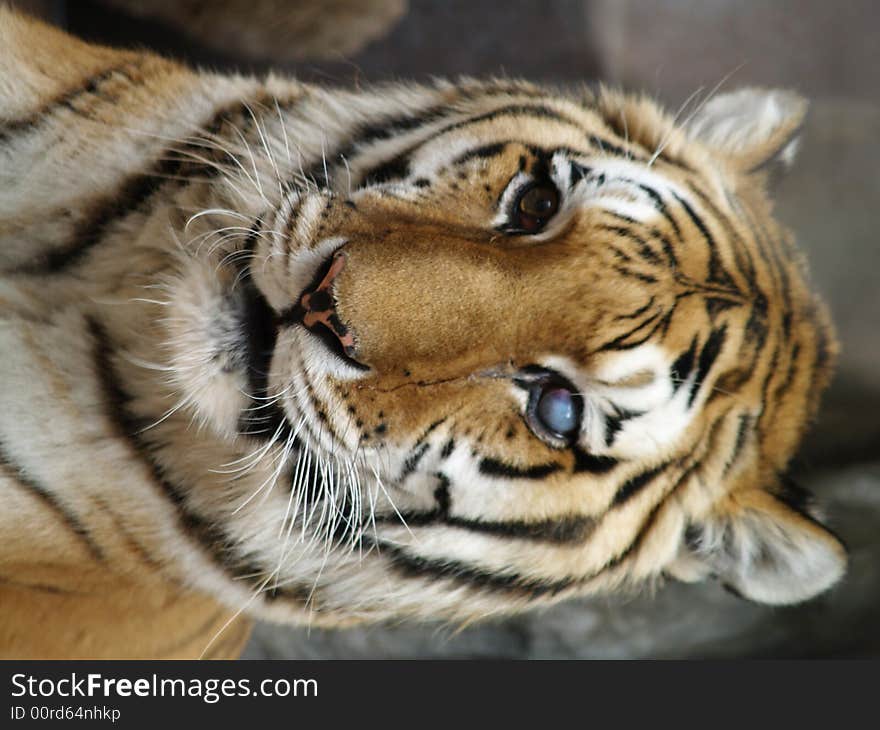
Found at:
(327, 356)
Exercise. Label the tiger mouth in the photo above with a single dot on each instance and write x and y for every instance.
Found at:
(259, 329)
(315, 312)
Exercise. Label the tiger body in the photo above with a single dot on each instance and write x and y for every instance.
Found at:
(275, 350)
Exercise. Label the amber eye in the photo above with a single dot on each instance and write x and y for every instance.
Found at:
(535, 205)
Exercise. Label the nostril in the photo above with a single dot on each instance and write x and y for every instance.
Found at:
(318, 296)
(316, 311)
(319, 307)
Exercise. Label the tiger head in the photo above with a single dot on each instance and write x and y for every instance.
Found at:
(513, 347)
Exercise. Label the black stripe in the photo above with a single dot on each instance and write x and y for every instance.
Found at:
(765, 386)
(412, 461)
(393, 126)
(793, 366)
(668, 250)
(769, 250)
(756, 328)
(741, 253)
(615, 421)
(536, 111)
(419, 450)
(605, 146)
(635, 484)
(417, 567)
(567, 529)
(396, 168)
(708, 355)
(385, 170)
(717, 274)
(380, 130)
(661, 207)
(304, 594)
(621, 217)
(447, 449)
(564, 530)
(742, 432)
(124, 200)
(89, 85)
(665, 243)
(130, 196)
(617, 124)
(641, 276)
(430, 429)
(716, 305)
(481, 153)
(622, 255)
(495, 468)
(623, 341)
(590, 463)
(441, 494)
(644, 248)
(17, 475)
(514, 583)
(683, 365)
(638, 312)
(786, 325)
(573, 529)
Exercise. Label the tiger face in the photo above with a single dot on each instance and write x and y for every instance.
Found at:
(507, 349)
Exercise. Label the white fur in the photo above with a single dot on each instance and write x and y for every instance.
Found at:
(741, 120)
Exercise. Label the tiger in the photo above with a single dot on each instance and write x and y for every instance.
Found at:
(441, 351)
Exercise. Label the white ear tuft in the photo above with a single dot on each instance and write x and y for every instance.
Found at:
(753, 126)
(766, 550)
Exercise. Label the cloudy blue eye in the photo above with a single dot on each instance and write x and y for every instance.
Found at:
(555, 408)
(558, 410)
(554, 412)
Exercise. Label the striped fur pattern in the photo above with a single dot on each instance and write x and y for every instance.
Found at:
(168, 414)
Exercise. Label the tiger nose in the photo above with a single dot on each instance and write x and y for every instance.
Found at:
(317, 308)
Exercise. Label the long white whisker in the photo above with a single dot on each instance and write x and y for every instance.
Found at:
(283, 129)
(256, 179)
(669, 132)
(266, 147)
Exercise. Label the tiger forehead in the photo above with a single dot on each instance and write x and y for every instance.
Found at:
(539, 123)
(553, 120)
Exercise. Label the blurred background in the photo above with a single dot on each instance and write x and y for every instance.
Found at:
(829, 52)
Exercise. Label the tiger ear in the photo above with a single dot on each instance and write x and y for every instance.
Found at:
(767, 548)
(756, 128)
